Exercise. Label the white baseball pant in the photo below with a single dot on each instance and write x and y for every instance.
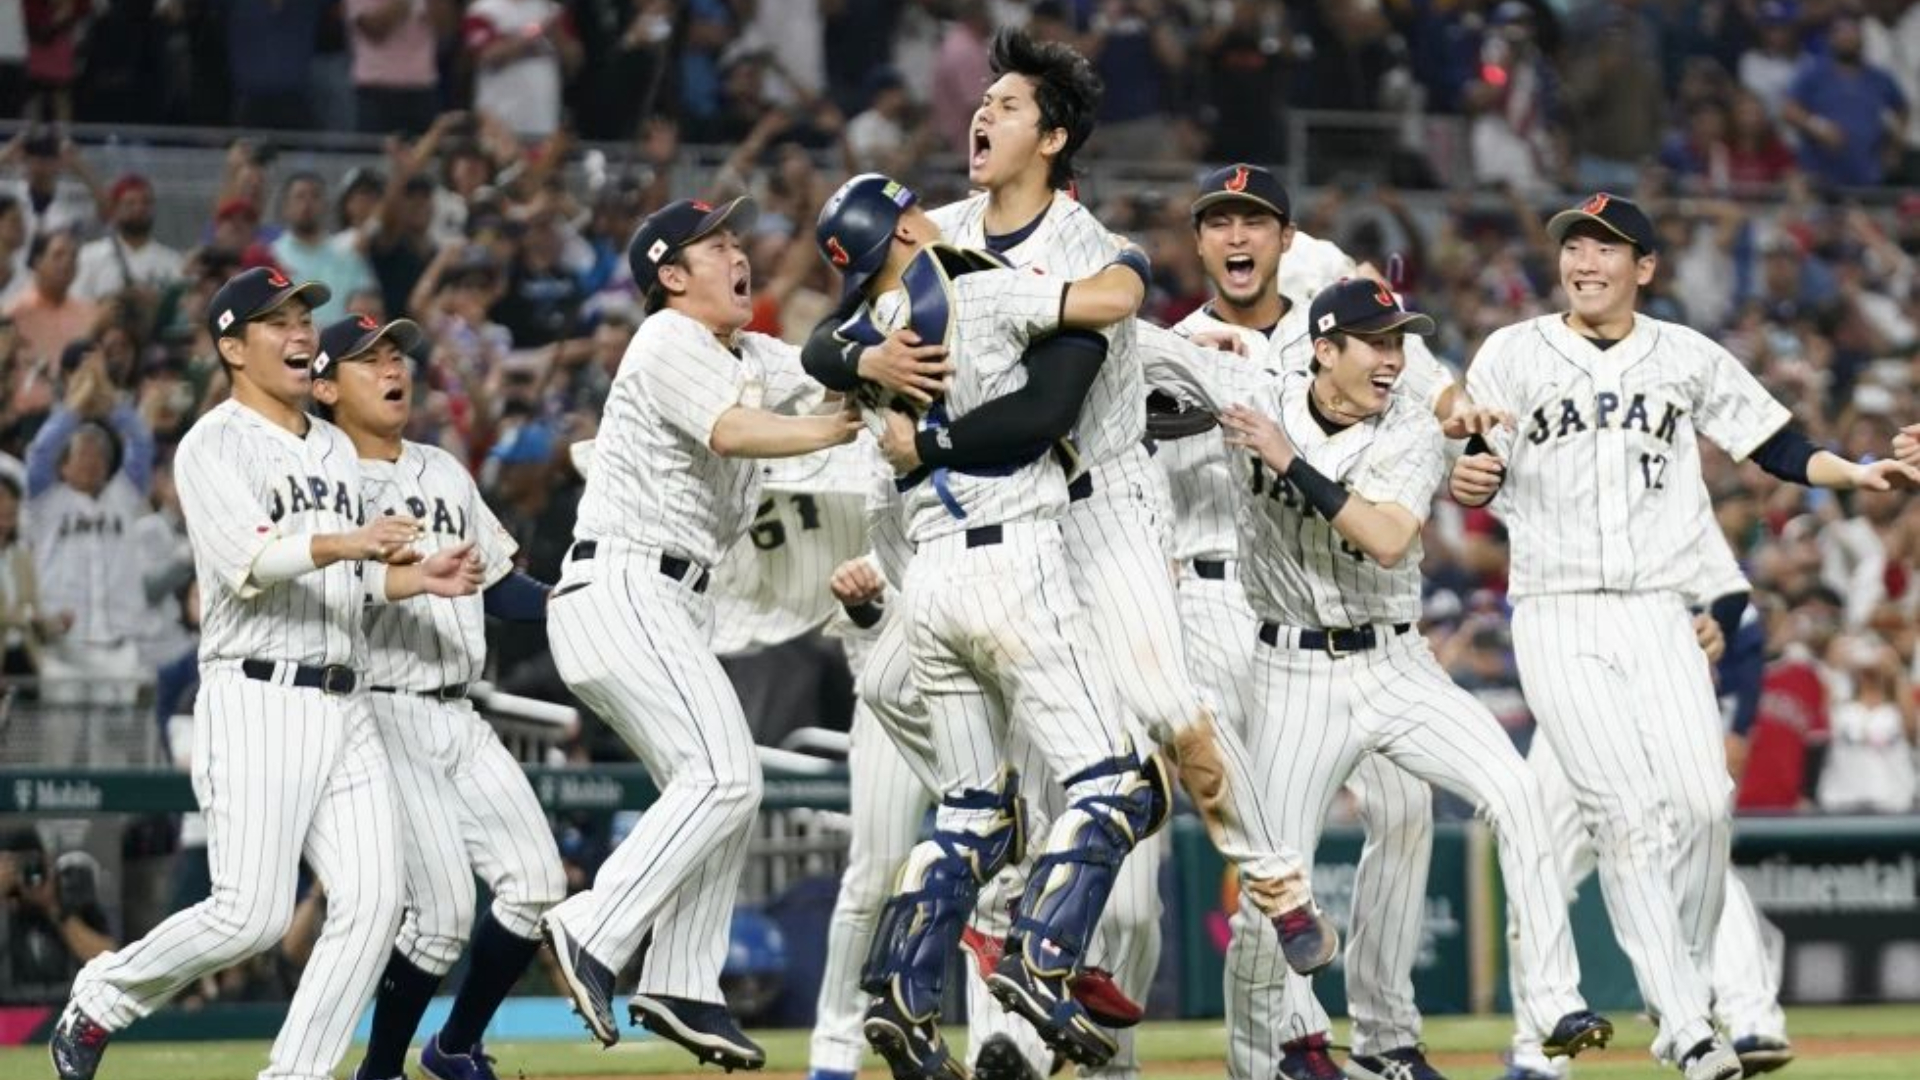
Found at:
(1313, 716)
(1746, 957)
(281, 773)
(1390, 885)
(466, 808)
(632, 643)
(1618, 684)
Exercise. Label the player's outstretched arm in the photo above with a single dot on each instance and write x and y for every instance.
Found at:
(1111, 295)
(1385, 532)
(743, 432)
(1790, 456)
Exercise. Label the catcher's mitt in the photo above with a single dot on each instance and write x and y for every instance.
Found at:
(1169, 418)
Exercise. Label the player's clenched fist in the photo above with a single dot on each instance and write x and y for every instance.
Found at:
(1258, 433)
(454, 571)
(1476, 479)
(389, 539)
(856, 582)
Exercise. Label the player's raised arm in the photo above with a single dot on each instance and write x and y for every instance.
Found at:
(1113, 294)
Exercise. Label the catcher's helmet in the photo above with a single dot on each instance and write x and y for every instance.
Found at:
(856, 226)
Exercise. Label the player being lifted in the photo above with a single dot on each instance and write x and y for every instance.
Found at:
(287, 762)
(465, 804)
(674, 482)
(1596, 489)
(996, 636)
(1032, 120)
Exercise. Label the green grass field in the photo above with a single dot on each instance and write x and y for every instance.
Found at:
(1834, 1044)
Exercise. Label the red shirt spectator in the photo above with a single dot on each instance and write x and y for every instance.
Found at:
(522, 50)
(1787, 738)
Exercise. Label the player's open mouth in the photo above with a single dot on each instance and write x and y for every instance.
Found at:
(1384, 383)
(1240, 271)
(299, 361)
(982, 148)
(395, 394)
(741, 286)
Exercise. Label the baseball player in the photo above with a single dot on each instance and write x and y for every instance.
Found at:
(1030, 123)
(1596, 488)
(1746, 982)
(992, 629)
(674, 483)
(1329, 560)
(287, 763)
(1243, 230)
(465, 804)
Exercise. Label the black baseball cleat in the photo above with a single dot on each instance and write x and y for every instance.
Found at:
(707, 1030)
(1760, 1054)
(912, 1047)
(1000, 1059)
(77, 1044)
(1307, 938)
(1048, 1004)
(589, 983)
(1577, 1031)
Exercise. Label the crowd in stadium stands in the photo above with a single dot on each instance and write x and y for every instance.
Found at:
(1749, 128)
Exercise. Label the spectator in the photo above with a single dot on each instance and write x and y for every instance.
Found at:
(1757, 157)
(1849, 114)
(13, 60)
(1615, 100)
(128, 258)
(50, 919)
(356, 211)
(542, 296)
(22, 627)
(1788, 744)
(401, 245)
(522, 52)
(270, 51)
(881, 138)
(396, 74)
(1870, 767)
(1135, 46)
(304, 250)
(710, 27)
(236, 233)
(53, 56)
(960, 75)
(1769, 68)
(91, 402)
(1514, 105)
(629, 83)
(14, 276)
(48, 315)
(51, 205)
(1244, 62)
(1892, 32)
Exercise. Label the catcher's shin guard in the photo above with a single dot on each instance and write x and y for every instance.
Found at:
(1111, 807)
(920, 926)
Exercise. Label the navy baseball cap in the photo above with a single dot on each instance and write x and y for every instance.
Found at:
(1621, 217)
(856, 227)
(1362, 306)
(1243, 183)
(349, 337)
(663, 233)
(252, 293)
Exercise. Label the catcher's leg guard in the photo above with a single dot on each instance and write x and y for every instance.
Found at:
(920, 926)
(1111, 807)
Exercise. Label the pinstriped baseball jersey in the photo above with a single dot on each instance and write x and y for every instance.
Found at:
(772, 586)
(1070, 243)
(1604, 470)
(655, 481)
(427, 642)
(1311, 264)
(887, 525)
(1719, 572)
(1296, 569)
(1200, 472)
(245, 481)
(995, 313)
(86, 558)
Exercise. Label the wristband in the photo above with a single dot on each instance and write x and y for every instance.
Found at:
(1321, 493)
(865, 615)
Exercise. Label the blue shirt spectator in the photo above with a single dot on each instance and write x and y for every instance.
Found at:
(1846, 111)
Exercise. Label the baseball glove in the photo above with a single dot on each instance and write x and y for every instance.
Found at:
(1169, 418)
